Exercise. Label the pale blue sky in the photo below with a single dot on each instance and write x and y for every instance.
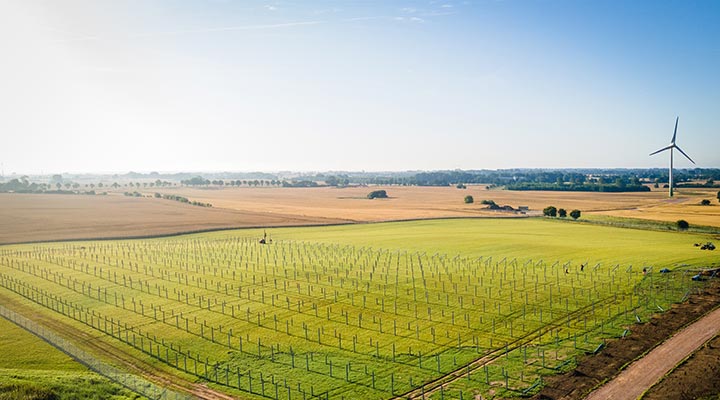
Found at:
(167, 85)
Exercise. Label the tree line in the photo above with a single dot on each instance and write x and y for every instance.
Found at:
(552, 211)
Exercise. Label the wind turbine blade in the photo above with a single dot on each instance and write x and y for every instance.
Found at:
(683, 153)
(663, 149)
(675, 131)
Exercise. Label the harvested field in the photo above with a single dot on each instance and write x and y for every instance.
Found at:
(405, 202)
(412, 202)
(34, 217)
(40, 217)
(686, 205)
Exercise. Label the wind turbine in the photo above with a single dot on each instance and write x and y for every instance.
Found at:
(670, 147)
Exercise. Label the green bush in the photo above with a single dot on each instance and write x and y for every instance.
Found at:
(550, 211)
(469, 199)
(377, 194)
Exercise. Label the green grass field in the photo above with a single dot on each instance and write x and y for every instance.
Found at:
(32, 369)
(372, 310)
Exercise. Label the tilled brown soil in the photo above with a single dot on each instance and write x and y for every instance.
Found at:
(698, 377)
(594, 370)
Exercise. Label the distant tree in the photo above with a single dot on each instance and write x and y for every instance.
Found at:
(575, 214)
(705, 202)
(67, 185)
(75, 185)
(57, 178)
(461, 186)
(550, 211)
(377, 194)
(469, 199)
(195, 181)
(562, 213)
(58, 185)
(682, 224)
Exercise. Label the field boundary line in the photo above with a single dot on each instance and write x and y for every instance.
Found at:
(639, 375)
(130, 381)
(239, 228)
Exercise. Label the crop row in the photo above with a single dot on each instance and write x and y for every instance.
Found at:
(323, 319)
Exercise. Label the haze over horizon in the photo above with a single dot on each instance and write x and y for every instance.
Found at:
(213, 85)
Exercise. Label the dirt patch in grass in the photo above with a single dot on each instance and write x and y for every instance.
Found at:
(593, 370)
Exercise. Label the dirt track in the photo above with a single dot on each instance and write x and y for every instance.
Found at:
(643, 374)
(697, 377)
(594, 370)
(115, 355)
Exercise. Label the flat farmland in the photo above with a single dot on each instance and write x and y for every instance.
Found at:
(414, 202)
(685, 205)
(38, 217)
(33, 369)
(349, 204)
(41, 217)
(372, 310)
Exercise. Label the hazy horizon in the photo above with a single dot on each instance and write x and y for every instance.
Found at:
(111, 87)
(286, 173)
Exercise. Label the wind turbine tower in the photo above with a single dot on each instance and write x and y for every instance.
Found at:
(671, 147)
